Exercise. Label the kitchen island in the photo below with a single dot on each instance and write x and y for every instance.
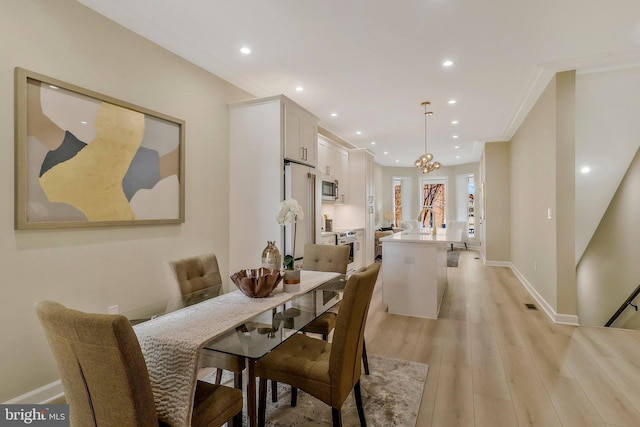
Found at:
(414, 271)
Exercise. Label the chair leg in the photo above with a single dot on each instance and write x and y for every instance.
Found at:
(237, 420)
(294, 397)
(262, 401)
(452, 246)
(274, 391)
(465, 245)
(237, 380)
(218, 375)
(358, 395)
(336, 414)
(365, 359)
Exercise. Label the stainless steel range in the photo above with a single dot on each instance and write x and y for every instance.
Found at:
(348, 238)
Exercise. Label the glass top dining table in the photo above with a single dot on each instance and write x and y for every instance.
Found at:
(258, 334)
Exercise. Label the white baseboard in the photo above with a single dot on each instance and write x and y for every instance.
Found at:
(45, 394)
(497, 263)
(563, 319)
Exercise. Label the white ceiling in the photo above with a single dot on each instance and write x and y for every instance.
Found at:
(374, 61)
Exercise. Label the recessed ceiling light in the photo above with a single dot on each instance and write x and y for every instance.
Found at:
(455, 136)
(456, 147)
(299, 89)
(386, 152)
(334, 114)
(454, 122)
(373, 143)
(452, 101)
(358, 133)
(245, 50)
(447, 63)
(457, 157)
(585, 169)
(397, 161)
(83, 122)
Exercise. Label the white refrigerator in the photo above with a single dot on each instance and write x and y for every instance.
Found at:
(302, 183)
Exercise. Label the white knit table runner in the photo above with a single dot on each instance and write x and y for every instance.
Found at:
(171, 343)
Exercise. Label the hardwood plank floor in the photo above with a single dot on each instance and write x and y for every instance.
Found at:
(493, 362)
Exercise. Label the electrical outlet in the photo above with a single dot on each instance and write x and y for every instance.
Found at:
(114, 309)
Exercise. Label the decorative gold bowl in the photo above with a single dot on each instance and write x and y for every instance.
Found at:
(257, 282)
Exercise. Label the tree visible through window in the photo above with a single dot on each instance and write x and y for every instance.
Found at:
(397, 203)
(433, 205)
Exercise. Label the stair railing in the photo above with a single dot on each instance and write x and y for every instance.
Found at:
(623, 307)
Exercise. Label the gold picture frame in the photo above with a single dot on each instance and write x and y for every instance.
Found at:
(83, 159)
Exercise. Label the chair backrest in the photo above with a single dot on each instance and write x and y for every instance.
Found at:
(460, 225)
(103, 372)
(410, 224)
(325, 258)
(345, 361)
(196, 273)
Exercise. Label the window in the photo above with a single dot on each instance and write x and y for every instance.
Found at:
(471, 191)
(397, 201)
(433, 202)
(465, 200)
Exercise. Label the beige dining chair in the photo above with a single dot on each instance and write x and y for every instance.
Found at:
(202, 272)
(328, 258)
(105, 377)
(326, 371)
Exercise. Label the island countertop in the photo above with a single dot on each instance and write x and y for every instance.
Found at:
(443, 236)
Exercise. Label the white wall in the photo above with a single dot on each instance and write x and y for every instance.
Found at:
(91, 269)
(607, 138)
(607, 198)
(533, 189)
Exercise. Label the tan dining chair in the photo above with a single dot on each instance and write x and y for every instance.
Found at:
(105, 377)
(327, 371)
(194, 274)
(335, 259)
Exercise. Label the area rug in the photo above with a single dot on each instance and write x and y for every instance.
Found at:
(452, 258)
(391, 396)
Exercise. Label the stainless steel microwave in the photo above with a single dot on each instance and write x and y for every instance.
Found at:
(329, 190)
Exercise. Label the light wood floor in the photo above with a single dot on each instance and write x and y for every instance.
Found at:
(492, 362)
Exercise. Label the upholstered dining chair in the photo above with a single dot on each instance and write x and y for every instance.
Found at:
(105, 378)
(335, 259)
(194, 274)
(327, 371)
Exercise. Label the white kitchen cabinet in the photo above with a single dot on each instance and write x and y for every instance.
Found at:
(362, 198)
(259, 130)
(342, 176)
(358, 249)
(333, 164)
(301, 133)
(324, 166)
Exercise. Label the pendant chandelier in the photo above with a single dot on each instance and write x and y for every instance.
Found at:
(424, 162)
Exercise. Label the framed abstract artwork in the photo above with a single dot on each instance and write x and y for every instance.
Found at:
(83, 159)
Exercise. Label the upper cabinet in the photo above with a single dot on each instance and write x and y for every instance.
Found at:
(300, 134)
(333, 164)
